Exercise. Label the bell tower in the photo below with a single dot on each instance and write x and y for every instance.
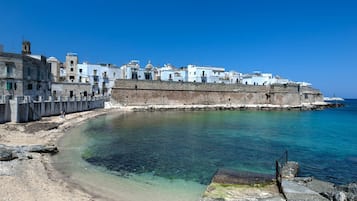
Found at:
(26, 47)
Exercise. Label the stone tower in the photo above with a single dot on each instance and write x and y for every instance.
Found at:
(26, 47)
(71, 67)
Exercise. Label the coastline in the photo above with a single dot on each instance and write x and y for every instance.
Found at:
(37, 178)
(267, 107)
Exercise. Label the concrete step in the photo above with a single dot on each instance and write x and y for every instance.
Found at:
(294, 191)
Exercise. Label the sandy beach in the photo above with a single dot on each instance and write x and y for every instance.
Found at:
(36, 178)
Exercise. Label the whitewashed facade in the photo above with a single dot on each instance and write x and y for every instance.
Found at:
(100, 76)
(170, 73)
(206, 74)
(130, 70)
(258, 78)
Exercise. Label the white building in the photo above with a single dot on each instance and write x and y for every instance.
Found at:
(130, 70)
(258, 78)
(100, 76)
(234, 77)
(170, 73)
(206, 74)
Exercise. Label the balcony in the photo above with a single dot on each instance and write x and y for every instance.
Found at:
(106, 79)
(96, 78)
(203, 79)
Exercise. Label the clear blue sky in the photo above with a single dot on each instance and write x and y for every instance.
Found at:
(302, 40)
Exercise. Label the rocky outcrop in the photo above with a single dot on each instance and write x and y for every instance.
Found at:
(8, 153)
(309, 188)
(342, 193)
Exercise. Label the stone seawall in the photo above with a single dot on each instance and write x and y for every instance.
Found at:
(142, 93)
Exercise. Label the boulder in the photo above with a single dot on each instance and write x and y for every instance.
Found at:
(6, 154)
(340, 196)
(41, 148)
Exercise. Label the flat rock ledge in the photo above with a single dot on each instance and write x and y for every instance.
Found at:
(8, 153)
(229, 185)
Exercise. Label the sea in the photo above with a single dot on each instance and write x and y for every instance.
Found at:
(173, 155)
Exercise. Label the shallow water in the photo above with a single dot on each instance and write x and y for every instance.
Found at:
(108, 184)
(177, 150)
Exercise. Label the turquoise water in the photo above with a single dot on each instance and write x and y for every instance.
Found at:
(191, 146)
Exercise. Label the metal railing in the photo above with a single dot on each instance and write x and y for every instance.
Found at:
(279, 164)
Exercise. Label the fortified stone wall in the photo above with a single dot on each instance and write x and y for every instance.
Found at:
(135, 93)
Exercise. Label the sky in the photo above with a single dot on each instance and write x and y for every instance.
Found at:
(302, 40)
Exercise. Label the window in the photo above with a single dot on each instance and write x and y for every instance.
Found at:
(147, 75)
(134, 75)
(29, 86)
(94, 72)
(71, 69)
(10, 69)
(71, 94)
(15, 86)
(80, 78)
(72, 62)
(8, 85)
(80, 70)
(71, 78)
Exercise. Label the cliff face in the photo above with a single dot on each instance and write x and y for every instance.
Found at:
(141, 93)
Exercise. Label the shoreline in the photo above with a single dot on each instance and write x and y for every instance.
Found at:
(253, 107)
(38, 178)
